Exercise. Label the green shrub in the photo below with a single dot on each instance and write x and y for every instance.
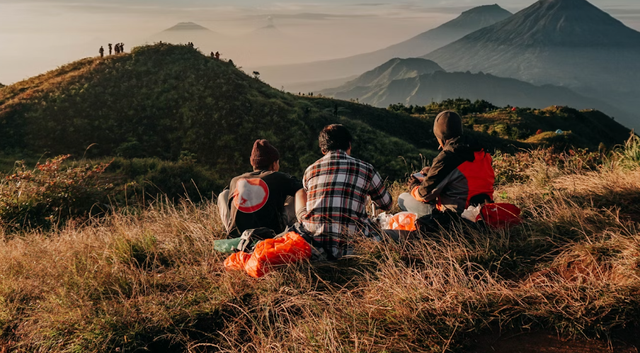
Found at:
(51, 194)
(152, 177)
(629, 154)
(542, 163)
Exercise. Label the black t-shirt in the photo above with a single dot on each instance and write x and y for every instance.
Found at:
(257, 199)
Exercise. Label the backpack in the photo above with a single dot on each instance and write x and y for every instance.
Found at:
(500, 215)
(288, 249)
(251, 237)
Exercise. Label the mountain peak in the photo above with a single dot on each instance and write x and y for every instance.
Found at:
(562, 42)
(561, 23)
(476, 18)
(187, 26)
(575, 5)
(485, 9)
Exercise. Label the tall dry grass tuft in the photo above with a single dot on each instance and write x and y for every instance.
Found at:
(151, 279)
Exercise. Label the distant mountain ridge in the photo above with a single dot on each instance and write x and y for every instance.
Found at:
(185, 32)
(562, 42)
(469, 21)
(187, 26)
(394, 69)
(420, 82)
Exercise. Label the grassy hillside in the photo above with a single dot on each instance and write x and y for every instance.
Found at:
(151, 280)
(581, 129)
(179, 122)
(168, 102)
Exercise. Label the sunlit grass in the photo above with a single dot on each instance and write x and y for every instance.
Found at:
(153, 280)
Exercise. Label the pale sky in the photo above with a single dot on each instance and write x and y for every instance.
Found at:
(39, 35)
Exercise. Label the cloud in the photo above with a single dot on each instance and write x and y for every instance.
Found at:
(309, 16)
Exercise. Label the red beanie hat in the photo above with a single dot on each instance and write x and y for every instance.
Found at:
(263, 154)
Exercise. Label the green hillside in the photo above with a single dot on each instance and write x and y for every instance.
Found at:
(529, 127)
(168, 102)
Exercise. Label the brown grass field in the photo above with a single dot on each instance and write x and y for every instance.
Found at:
(150, 280)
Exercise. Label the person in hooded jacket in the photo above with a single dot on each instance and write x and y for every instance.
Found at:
(460, 176)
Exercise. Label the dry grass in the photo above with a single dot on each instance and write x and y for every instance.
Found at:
(151, 280)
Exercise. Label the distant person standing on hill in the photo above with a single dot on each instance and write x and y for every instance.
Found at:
(117, 49)
(122, 48)
(110, 48)
(460, 176)
(101, 51)
(217, 55)
(262, 198)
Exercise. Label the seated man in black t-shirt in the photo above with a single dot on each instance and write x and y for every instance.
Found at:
(257, 199)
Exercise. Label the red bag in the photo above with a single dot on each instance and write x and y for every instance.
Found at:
(500, 215)
(271, 252)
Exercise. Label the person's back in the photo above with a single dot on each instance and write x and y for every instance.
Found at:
(337, 187)
(460, 176)
(257, 199)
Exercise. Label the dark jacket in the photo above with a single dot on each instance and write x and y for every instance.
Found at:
(461, 175)
(257, 200)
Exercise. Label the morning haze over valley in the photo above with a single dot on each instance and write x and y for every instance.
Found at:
(319, 176)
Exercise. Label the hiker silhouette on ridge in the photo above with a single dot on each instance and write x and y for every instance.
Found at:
(110, 48)
(217, 55)
(101, 51)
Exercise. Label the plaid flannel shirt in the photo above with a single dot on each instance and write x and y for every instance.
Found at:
(337, 187)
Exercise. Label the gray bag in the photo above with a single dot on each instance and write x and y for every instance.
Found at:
(251, 237)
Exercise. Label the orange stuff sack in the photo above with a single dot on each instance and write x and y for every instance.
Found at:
(500, 215)
(403, 221)
(237, 261)
(270, 252)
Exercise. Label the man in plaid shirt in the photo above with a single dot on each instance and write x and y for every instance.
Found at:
(337, 186)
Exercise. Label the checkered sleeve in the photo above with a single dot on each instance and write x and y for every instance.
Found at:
(379, 194)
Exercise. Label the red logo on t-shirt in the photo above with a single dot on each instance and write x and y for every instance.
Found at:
(250, 195)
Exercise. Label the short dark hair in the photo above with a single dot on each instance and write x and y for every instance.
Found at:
(334, 137)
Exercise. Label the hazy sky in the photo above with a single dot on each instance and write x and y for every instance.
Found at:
(39, 35)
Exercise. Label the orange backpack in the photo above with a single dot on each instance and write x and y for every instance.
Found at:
(288, 249)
